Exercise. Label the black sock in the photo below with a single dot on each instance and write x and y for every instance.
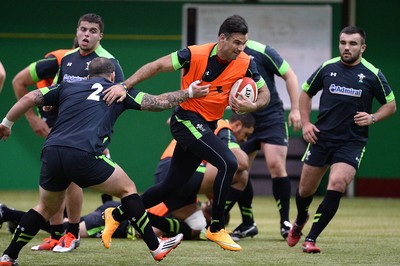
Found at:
(245, 202)
(73, 229)
(281, 190)
(106, 197)
(57, 231)
(170, 226)
(324, 214)
(218, 206)
(28, 227)
(302, 208)
(117, 214)
(46, 227)
(133, 210)
(12, 215)
(233, 196)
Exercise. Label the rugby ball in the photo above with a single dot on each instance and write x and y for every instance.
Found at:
(245, 87)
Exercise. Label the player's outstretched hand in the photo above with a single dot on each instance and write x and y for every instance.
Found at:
(4, 132)
(115, 92)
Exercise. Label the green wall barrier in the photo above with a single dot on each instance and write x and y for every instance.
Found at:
(135, 33)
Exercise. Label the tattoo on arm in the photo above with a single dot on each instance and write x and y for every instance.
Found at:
(157, 103)
(39, 100)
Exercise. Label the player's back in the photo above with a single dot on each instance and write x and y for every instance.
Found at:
(85, 121)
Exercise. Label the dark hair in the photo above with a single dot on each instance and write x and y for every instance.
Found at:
(92, 18)
(75, 44)
(233, 24)
(101, 66)
(247, 119)
(355, 30)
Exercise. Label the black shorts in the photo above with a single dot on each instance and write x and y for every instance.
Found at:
(327, 153)
(187, 127)
(63, 165)
(162, 170)
(276, 134)
(188, 193)
(95, 222)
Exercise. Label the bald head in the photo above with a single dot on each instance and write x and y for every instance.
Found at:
(101, 67)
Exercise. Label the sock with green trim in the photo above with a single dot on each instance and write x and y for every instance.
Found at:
(245, 202)
(170, 226)
(133, 210)
(324, 214)
(302, 208)
(28, 227)
(233, 196)
(281, 190)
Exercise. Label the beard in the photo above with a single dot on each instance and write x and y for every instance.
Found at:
(350, 59)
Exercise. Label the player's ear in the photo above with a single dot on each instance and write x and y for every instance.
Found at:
(363, 48)
(237, 125)
(112, 76)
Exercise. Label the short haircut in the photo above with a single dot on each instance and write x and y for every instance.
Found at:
(247, 119)
(101, 66)
(75, 43)
(233, 24)
(355, 30)
(92, 18)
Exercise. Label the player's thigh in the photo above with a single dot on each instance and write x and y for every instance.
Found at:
(49, 202)
(340, 176)
(275, 157)
(310, 179)
(118, 184)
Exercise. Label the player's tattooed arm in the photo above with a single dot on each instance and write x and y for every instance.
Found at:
(38, 99)
(156, 103)
(171, 99)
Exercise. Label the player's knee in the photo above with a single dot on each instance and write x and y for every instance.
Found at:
(338, 185)
(125, 190)
(46, 211)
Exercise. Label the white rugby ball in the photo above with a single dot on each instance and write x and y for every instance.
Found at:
(245, 87)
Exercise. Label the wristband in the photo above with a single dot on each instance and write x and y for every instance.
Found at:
(125, 87)
(190, 91)
(373, 119)
(7, 123)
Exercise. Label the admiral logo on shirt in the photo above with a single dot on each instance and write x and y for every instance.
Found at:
(71, 78)
(336, 89)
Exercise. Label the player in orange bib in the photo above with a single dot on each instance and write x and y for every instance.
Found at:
(193, 123)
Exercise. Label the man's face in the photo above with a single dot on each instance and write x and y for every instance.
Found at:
(89, 36)
(230, 47)
(242, 133)
(351, 48)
